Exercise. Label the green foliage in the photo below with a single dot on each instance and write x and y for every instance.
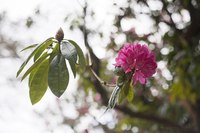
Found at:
(70, 53)
(42, 47)
(49, 67)
(127, 92)
(123, 89)
(182, 91)
(38, 82)
(81, 60)
(114, 97)
(35, 65)
(58, 77)
(29, 47)
(29, 57)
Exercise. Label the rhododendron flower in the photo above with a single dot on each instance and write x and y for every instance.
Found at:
(137, 59)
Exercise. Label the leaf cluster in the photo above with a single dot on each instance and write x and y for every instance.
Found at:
(49, 68)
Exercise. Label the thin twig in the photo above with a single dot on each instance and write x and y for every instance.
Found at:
(100, 80)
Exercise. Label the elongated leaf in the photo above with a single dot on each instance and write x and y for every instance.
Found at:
(114, 97)
(30, 46)
(125, 89)
(42, 47)
(54, 52)
(25, 62)
(37, 63)
(119, 71)
(39, 82)
(58, 77)
(130, 95)
(121, 80)
(121, 96)
(81, 60)
(73, 67)
(69, 52)
(31, 77)
(28, 59)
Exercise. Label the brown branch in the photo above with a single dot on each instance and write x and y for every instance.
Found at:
(152, 118)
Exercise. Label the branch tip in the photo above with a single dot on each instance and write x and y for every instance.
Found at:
(59, 35)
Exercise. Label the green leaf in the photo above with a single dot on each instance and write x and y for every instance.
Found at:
(130, 95)
(69, 52)
(121, 80)
(42, 47)
(31, 77)
(37, 63)
(58, 77)
(31, 46)
(81, 60)
(114, 97)
(125, 90)
(55, 51)
(28, 59)
(25, 62)
(126, 87)
(38, 82)
(73, 67)
(121, 96)
(119, 71)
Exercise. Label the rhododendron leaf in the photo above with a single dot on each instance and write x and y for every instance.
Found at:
(31, 77)
(121, 96)
(29, 47)
(35, 65)
(42, 47)
(73, 67)
(38, 82)
(28, 59)
(81, 58)
(124, 91)
(114, 97)
(119, 71)
(130, 95)
(69, 52)
(54, 52)
(121, 80)
(126, 87)
(58, 77)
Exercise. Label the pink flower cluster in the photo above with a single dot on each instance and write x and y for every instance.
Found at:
(139, 60)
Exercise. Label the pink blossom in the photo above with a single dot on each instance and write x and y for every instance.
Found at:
(139, 60)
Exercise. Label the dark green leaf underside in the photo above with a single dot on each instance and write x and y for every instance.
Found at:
(69, 52)
(81, 57)
(58, 77)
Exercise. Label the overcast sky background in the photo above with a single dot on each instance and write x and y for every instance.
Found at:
(17, 115)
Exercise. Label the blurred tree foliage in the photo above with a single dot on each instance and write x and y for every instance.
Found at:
(170, 102)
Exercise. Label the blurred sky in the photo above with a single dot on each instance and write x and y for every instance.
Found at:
(17, 115)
